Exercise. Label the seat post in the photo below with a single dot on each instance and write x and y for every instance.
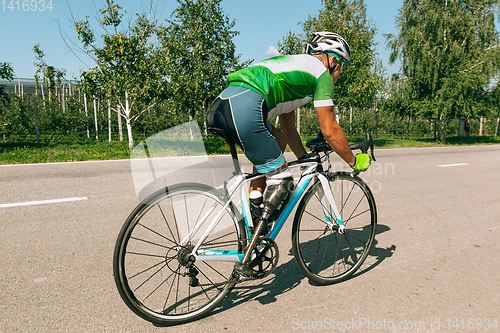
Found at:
(234, 155)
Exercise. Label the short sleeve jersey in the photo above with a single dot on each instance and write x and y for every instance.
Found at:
(287, 82)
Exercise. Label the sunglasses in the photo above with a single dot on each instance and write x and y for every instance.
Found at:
(343, 62)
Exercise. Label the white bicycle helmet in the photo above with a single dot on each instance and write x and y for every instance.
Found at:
(328, 41)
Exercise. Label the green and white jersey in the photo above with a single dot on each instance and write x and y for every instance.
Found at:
(287, 82)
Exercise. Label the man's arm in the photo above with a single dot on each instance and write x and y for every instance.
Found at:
(334, 134)
(287, 121)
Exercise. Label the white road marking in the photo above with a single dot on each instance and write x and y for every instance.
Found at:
(452, 165)
(42, 202)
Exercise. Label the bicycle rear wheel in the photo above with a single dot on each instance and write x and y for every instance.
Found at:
(157, 277)
(322, 253)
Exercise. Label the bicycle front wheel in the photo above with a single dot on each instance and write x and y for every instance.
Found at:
(324, 253)
(156, 274)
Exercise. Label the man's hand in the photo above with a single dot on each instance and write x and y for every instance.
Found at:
(363, 161)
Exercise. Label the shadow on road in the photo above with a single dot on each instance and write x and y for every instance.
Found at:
(288, 276)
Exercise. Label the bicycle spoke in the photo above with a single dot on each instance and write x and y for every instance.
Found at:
(201, 210)
(151, 293)
(150, 277)
(147, 255)
(357, 215)
(216, 271)
(149, 242)
(357, 239)
(170, 290)
(142, 225)
(187, 218)
(311, 242)
(334, 257)
(359, 202)
(168, 226)
(352, 249)
(326, 210)
(147, 269)
(317, 218)
(215, 285)
(344, 202)
(317, 252)
(149, 263)
(216, 239)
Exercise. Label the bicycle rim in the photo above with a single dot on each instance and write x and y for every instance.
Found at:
(323, 254)
(152, 270)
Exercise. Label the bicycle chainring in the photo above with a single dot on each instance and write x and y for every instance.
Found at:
(264, 258)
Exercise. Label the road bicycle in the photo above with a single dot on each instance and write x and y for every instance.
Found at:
(174, 256)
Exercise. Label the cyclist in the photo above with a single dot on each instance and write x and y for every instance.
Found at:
(277, 87)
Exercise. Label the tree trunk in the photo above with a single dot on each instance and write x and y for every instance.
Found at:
(205, 128)
(128, 123)
(95, 122)
(129, 133)
(109, 120)
(36, 117)
(86, 113)
(63, 103)
(434, 128)
(407, 126)
(43, 96)
(190, 129)
(461, 126)
(481, 120)
(120, 129)
(442, 129)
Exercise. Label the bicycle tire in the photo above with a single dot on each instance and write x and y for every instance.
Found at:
(145, 280)
(324, 255)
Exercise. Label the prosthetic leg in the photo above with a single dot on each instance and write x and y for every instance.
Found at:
(278, 188)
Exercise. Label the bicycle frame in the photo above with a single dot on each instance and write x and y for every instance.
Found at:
(307, 175)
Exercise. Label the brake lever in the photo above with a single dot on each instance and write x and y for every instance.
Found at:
(371, 152)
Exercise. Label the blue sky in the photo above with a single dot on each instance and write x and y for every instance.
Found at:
(262, 23)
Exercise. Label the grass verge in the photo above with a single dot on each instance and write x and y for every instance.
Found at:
(30, 152)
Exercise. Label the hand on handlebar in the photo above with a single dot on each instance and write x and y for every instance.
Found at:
(363, 162)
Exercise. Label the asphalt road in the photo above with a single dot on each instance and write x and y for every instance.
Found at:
(434, 267)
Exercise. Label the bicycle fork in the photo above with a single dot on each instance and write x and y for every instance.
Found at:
(326, 199)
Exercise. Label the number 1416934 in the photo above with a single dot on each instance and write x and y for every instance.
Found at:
(26, 5)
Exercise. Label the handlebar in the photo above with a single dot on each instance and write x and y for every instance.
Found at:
(319, 144)
(364, 145)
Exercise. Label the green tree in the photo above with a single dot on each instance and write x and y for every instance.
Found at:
(199, 53)
(51, 76)
(449, 53)
(399, 102)
(129, 70)
(292, 43)
(363, 78)
(6, 73)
